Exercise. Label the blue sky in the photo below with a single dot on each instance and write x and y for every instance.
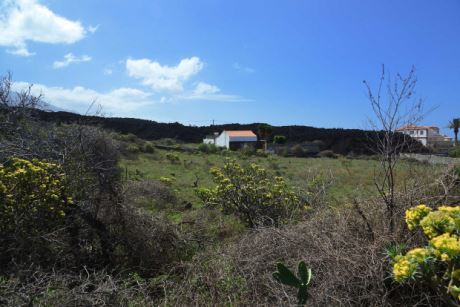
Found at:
(281, 62)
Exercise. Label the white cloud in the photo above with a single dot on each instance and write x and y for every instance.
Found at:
(209, 92)
(69, 58)
(162, 77)
(108, 71)
(93, 29)
(215, 97)
(79, 98)
(242, 68)
(203, 88)
(27, 20)
(20, 51)
(172, 80)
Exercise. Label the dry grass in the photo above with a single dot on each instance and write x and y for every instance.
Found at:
(348, 261)
(87, 288)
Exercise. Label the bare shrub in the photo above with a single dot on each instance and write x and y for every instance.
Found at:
(327, 154)
(317, 183)
(349, 265)
(148, 193)
(146, 244)
(64, 288)
(394, 105)
(297, 150)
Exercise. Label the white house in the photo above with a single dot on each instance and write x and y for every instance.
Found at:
(427, 135)
(233, 139)
(211, 139)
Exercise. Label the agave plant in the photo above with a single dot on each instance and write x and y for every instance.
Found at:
(301, 281)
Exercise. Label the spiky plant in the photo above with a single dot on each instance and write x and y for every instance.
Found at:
(300, 282)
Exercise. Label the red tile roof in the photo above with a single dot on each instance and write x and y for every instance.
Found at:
(414, 127)
(240, 133)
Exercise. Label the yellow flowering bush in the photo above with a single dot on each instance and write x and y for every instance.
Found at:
(253, 194)
(32, 195)
(439, 262)
(167, 180)
(415, 215)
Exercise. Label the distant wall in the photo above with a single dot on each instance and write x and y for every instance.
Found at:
(433, 159)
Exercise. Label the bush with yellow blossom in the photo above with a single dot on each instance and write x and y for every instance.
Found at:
(256, 196)
(32, 196)
(437, 264)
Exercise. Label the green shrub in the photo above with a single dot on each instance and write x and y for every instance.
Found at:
(254, 195)
(248, 151)
(208, 148)
(284, 152)
(168, 142)
(438, 263)
(297, 150)
(327, 154)
(279, 139)
(173, 158)
(132, 148)
(457, 171)
(148, 147)
(167, 180)
(454, 152)
(261, 153)
(125, 137)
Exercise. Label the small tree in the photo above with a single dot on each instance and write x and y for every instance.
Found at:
(265, 130)
(279, 139)
(393, 105)
(253, 194)
(455, 125)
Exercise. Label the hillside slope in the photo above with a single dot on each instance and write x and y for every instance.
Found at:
(342, 141)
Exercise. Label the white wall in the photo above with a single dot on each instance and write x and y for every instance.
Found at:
(223, 140)
(208, 141)
(418, 134)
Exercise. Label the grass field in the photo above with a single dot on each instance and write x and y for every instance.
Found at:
(348, 179)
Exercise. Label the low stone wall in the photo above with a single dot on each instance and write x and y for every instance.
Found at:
(433, 159)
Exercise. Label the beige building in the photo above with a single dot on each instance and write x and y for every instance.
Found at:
(427, 135)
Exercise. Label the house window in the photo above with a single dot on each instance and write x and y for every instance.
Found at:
(422, 132)
(411, 132)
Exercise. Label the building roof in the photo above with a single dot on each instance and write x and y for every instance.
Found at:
(415, 127)
(240, 133)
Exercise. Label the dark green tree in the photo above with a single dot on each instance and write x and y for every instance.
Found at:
(455, 125)
(279, 139)
(265, 130)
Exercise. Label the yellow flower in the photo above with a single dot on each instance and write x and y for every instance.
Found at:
(445, 257)
(403, 268)
(418, 255)
(436, 223)
(447, 244)
(415, 215)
